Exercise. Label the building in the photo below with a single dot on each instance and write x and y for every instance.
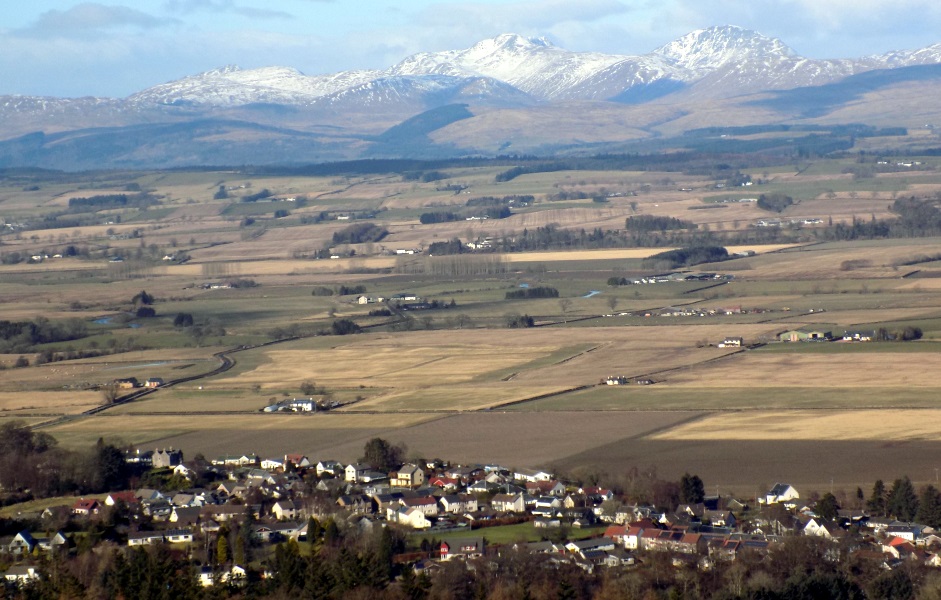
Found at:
(806, 334)
(166, 459)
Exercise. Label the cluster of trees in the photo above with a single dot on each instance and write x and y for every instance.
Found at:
(490, 212)
(532, 292)
(260, 195)
(648, 223)
(21, 336)
(347, 290)
(515, 321)
(514, 199)
(424, 176)
(775, 201)
(438, 217)
(455, 265)
(111, 201)
(31, 463)
(360, 233)
(687, 257)
(902, 502)
(336, 562)
(345, 327)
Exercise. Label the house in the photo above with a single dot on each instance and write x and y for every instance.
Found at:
(357, 504)
(354, 472)
(445, 483)
(820, 528)
(272, 464)
(806, 334)
(178, 536)
(410, 517)
(428, 505)
(144, 538)
(284, 509)
(508, 503)
(166, 459)
(464, 473)
(732, 342)
(229, 460)
(581, 546)
(22, 543)
(184, 471)
(127, 497)
(473, 548)
(153, 382)
(19, 574)
(298, 460)
(127, 383)
(548, 488)
(781, 492)
(329, 466)
(532, 475)
(409, 476)
(185, 515)
(225, 512)
(458, 503)
(86, 508)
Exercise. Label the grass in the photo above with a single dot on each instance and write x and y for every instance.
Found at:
(510, 534)
(35, 507)
(633, 398)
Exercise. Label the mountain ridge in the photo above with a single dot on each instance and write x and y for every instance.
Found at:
(714, 76)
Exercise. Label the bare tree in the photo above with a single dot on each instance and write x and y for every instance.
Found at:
(110, 392)
(565, 305)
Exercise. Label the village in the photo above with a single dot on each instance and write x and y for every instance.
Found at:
(460, 508)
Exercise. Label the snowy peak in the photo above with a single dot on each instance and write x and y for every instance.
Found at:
(716, 62)
(534, 65)
(713, 48)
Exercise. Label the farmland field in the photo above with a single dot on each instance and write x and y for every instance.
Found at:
(466, 373)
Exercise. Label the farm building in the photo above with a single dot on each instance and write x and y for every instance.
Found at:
(859, 336)
(806, 334)
(732, 342)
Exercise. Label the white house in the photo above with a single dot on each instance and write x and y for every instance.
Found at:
(411, 517)
(781, 492)
(272, 464)
(284, 509)
(354, 472)
(531, 475)
(329, 466)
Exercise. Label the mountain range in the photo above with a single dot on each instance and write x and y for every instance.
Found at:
(505, 94)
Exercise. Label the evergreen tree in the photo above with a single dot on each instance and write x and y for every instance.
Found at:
(929, 507)
(692, 490)
(902, 502)
(827, 507)
(222, 549)
(877, 501)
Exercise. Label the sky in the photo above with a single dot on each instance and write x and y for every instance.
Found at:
(71, 49)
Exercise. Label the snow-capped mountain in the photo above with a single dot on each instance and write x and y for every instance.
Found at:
(717, 62)
(693, 81)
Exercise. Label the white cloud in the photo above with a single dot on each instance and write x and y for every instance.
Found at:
(527, 16)
(188, 7)
(90, 18)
